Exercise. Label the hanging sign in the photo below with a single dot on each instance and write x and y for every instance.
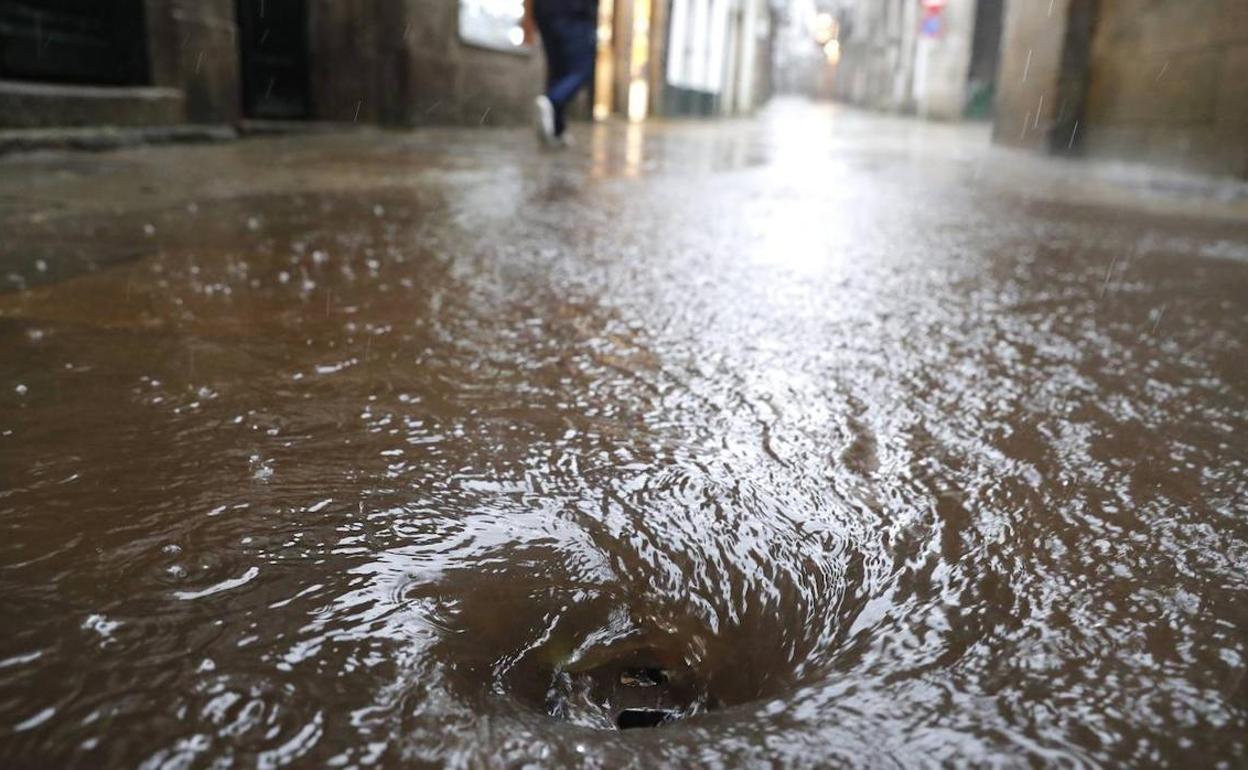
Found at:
(933, 22)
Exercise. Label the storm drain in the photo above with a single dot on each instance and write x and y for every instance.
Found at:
(626, 694)
(633, 718)
(644, 716)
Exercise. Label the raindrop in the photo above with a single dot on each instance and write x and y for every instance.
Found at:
(101, 625)
(149, 229)
(261, 469)
(21, 389)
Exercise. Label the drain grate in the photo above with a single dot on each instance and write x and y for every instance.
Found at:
(643, 677)
(627, 689)
(642, 717)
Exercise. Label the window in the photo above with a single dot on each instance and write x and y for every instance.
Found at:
(492, 23)
(74, 41)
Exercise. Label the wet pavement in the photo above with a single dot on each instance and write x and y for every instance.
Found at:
(821, 439)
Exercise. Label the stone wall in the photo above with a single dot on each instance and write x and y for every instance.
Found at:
(193, 59)
(1169, 84)
(193, 47)
(449, 81)
(356, 61)
(1028, 98)
(660, 20)
(878, 45)
(403, 63)
(886, 64)
(1155, 81)
(395, 62)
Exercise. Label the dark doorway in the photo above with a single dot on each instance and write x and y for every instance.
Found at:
(74, 41)
(985, 57)
(273, 40)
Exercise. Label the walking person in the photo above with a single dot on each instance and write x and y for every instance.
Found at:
(567, 28)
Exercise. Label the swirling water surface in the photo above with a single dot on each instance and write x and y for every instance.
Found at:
(384, 467)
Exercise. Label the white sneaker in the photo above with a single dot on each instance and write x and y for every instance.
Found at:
(544, 120)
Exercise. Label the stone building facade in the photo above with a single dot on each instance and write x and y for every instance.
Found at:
(715, 56)
(187, 64)
(936, 60)
(1163, 82)
(878, 42)
(222, 61)
(145, 63)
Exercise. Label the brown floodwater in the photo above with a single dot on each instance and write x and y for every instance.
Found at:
(810, 438)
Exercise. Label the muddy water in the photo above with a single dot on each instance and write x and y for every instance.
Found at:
(866, 461)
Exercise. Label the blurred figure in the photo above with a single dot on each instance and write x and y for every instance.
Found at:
(568, 38)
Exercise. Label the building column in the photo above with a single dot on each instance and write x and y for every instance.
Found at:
(942, 63)
(193, 47)
(1042, 82)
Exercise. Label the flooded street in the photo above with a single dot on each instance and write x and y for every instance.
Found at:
(843, 441)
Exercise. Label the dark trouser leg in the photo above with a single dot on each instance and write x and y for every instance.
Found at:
(570, 60)
(552, 47)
